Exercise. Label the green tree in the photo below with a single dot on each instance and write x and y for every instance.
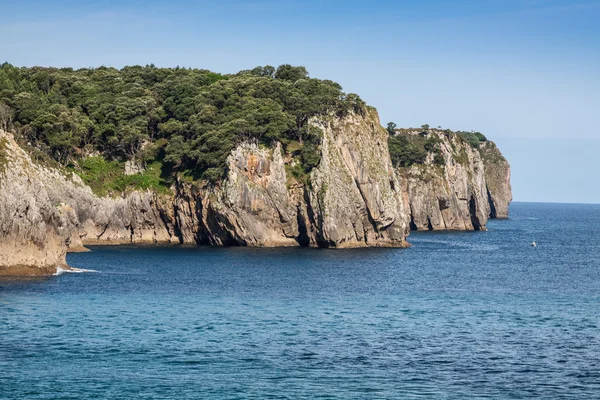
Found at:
(391, 128)
(290, 73)
(405, 153)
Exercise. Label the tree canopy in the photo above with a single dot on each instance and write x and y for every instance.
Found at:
(197, 115)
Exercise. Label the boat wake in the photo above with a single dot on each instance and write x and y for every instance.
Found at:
(60, 271)
(456, 244)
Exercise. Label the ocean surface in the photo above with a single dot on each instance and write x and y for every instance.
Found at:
(458, 315)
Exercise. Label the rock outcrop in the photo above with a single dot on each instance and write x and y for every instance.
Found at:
(469, 185)
(497, 177)
(352, 199)
(356, 199)
(253, 207)
(45, 211)
(33, 229)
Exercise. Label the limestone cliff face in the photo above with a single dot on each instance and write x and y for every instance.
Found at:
(33, 229)
(356, 198)
(462, 192)
(497, 176)
(44, 212)
(253, 207)
(352, 199)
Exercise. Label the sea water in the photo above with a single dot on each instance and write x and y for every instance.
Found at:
(457, 315)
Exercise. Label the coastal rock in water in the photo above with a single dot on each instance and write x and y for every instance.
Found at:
(463, 191)
(497, 176)
(44, 212)
(356, 198)
(136, 217)
(353, 198)
(252, 207)
(34, 230)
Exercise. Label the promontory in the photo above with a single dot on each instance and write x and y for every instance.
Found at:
(264, 157)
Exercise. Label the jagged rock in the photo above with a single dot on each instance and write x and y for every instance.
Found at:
(34, 230)
(252, 207)
(356, 199)
(44, 212)
(353, 200)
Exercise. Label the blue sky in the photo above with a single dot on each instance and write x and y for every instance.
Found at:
(524, 72)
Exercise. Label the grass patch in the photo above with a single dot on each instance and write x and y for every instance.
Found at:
(108, 177)
(298, 173)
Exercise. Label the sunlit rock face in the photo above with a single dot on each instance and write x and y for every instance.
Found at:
(353, 198)
(469, 187)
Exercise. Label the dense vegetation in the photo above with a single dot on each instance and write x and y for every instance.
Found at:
(405, 152)
(179, 120)
(411, 146)
(473, 138)
(188, 120)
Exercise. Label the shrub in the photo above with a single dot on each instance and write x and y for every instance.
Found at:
(473, 138)
(438, 159)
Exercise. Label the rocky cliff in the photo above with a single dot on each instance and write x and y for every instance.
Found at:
(352, 199)
(45, 211)
(497, 177)
(33, 229)
(459, 186)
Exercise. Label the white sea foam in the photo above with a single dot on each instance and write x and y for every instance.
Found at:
(60, 271)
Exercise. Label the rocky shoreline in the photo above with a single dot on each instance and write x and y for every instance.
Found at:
(355, 197)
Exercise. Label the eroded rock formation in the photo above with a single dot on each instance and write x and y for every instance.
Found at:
(471, 185)
(34, 230)
(352, 199)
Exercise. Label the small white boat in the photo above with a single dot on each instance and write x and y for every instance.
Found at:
(533, 244)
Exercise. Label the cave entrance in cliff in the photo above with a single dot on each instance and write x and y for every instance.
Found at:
(493, 212)
(473, 211)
